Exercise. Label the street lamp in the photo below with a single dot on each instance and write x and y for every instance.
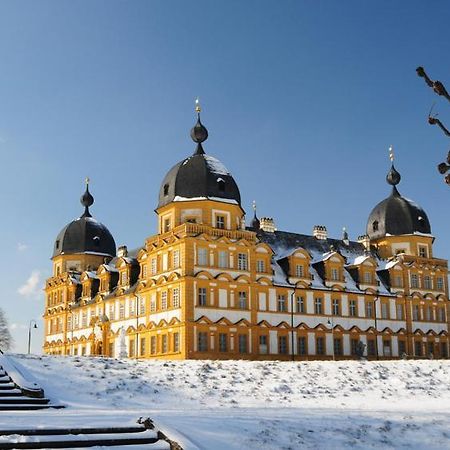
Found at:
(330, 322)
(32, 324)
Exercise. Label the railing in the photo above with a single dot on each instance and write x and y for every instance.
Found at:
(194, 229)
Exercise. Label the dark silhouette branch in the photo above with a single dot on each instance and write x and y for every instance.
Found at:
(433, 121)
(437, 86)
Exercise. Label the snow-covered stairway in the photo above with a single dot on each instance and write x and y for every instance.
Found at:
(142, 436)
(17, 391)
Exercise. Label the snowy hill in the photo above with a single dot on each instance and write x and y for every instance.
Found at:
(262, 405)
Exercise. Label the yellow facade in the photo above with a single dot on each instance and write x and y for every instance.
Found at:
(207, 286)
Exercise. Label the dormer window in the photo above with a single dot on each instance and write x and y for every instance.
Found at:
(57, 244)
(221, 184)
(375, 225)
(166, 190)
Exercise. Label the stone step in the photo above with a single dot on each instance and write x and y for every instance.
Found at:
(148, 437)
(22, 400)
(5, 386)
(14, 392)
(5, 379)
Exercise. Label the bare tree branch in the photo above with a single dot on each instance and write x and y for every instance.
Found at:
(433, 121)
(437, 86)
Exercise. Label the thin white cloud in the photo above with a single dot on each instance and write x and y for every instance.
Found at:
(32, 287)
(21, 247)
(17, 326)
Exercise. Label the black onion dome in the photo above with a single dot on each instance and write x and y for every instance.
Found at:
(198, 177)
(85, 234)
(397, 215)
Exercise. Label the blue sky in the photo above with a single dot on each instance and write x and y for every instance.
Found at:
(301, 99)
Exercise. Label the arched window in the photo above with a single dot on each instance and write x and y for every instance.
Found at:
(166, 190)
(375, 225)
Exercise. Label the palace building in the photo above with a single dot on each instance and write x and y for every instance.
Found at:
(208, 285)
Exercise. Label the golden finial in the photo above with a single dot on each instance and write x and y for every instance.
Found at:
(87, 181)
(198, 108)
(391, 153)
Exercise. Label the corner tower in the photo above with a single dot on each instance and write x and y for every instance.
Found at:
(199, 189)
(83, 243)
(398, 225)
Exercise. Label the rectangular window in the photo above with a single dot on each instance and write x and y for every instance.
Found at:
(220, 222)
(398, 281)
(142, 345)
(418, 348)
(299, 271)
(423, 251)
(441, 314)
(416, 312)
(84, 319)
(242, 343)
(371, 347)
(202, 341)
(444, 350)
(387, 348)
(144, 271)
(430, 349)
(354, 346)
(384, 311)
(176, 297)
(242, 261)
(400, 315)
(176, 259)
(202, 296)
(242, 300)
(367, 278)
(153, 304)
(202, 256)
(260, 266)
(263, 344)
(153, 345)
(336, 307)
(223, 340)
(282, 303)
(353, 308)
(176, 342)
(164, 300)
(300, 305)
(223, 259)
(414, 280)
(401, 348)
(164, 343)
(318, 306)
(301, 346)
(166, 224)
(131, 348)
(124, 278)
(141, 305)
(334, 274)
(427, 282)
(282, 345)
(440, 284)
(429, 313)
(370, 309)
(320, 346)
(153, 267)
(131, 307)
(337, 343)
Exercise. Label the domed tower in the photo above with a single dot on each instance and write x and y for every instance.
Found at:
(84, 243)
(199, 189)
(399, 225)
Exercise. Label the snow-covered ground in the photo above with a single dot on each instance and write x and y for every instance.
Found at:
(215, 405)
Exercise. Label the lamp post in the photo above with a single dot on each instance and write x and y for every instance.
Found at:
(32, 324)
(330, 322)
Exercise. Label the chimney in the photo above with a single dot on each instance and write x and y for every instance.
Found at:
(122, 251)
(320, 232)
(364, 240)
(267, 224)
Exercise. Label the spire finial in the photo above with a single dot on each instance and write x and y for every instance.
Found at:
(199, 133)
(87, 199)
(254, 206)
(198, 108)
(255, 223)
(391, 153)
